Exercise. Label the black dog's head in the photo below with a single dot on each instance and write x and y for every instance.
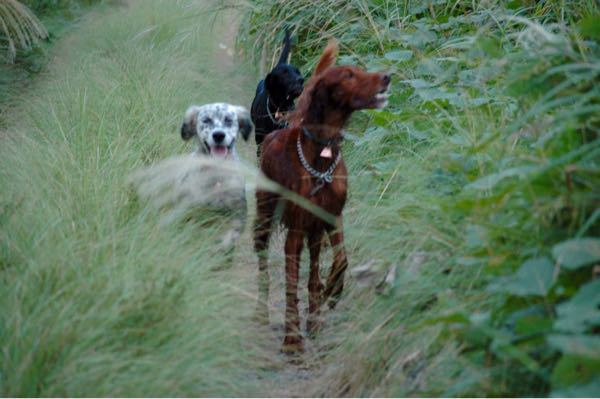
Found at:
(285, 82)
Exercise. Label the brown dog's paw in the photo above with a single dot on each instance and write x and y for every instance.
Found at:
(313, 326)
(292, 345)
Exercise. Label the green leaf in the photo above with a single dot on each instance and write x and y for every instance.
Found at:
(491, 46)
(573, 254)
(436, 93)
(590, 26)
(571, 370)
(398, 55)
(476, 236)
(376, 64)
(535, 277)
(582, 311)
(488, 182)
(582, 345)
(533, 324)
(417, 83)
(589, 390)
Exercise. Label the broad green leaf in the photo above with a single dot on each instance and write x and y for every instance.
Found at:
(476, 236)
(348, 59)
(533, 278)
(582, 345)
(533, 324)
(574, 370)
(372, 133)
(491, 46)
(588, 390)
(436, 93)
(376, 64)
(398, 55)
(590, 26)
(573, 254)
(582, 311)
(488, 182)
(417, 83)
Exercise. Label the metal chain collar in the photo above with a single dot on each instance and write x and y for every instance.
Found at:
(322, 177)
(275, 122)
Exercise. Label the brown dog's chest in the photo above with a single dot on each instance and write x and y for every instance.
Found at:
(331, 198)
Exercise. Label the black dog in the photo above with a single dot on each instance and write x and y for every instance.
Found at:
(275, 95)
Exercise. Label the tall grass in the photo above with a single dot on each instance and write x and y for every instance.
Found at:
(472, 195)
(98, 298)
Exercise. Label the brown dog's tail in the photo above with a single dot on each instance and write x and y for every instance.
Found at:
(326, 61)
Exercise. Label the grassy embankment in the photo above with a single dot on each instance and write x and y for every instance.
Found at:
(97, 298)
(478, 187)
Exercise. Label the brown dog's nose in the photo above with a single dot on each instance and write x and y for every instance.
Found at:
(386, 79)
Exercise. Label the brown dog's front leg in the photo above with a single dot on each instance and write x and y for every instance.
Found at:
(315, 286)
(335, 280)
(292, 342)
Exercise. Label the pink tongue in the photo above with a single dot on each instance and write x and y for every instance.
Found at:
(220, 151)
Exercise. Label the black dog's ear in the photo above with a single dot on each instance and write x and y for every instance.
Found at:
(244, 122)
(269, 82)
(188, 128)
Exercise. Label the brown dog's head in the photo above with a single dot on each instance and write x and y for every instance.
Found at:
(342, 89)
(351, 88)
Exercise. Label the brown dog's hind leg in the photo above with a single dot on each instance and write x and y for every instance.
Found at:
(335, 280)
(315, 286)
(292, 342)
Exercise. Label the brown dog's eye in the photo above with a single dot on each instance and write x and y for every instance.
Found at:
(350, 74)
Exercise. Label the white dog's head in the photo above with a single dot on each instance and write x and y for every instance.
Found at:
(216, 127)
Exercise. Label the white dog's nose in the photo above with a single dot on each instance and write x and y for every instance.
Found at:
(218, 137)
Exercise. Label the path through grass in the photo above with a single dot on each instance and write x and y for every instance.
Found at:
(97, 297)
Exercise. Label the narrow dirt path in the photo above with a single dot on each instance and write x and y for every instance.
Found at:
(281, 375)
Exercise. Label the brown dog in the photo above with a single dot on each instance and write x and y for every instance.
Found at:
(306, 159)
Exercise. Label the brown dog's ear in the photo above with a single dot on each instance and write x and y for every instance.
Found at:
(328, 57)
(188, 128)
(244, 122)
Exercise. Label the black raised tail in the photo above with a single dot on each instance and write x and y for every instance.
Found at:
(286, 48)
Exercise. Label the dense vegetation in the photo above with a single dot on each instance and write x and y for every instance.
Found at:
(478, 188)
(472, 226)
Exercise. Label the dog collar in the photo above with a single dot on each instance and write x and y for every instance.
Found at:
(325, 143)
(275, 121)
(322, 177)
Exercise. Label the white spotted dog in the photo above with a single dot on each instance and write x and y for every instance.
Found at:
(215, 128)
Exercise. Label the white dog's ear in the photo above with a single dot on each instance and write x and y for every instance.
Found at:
(244, 122)
(188, 128)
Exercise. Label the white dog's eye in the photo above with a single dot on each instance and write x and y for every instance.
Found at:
(228, 121)
(206, 120)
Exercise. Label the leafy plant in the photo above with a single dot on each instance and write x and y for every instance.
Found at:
(491, 140)
(19, 29)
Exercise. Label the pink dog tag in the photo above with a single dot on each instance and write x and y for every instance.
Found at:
(326, 152)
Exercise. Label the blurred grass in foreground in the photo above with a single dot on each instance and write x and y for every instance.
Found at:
(97, 297)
